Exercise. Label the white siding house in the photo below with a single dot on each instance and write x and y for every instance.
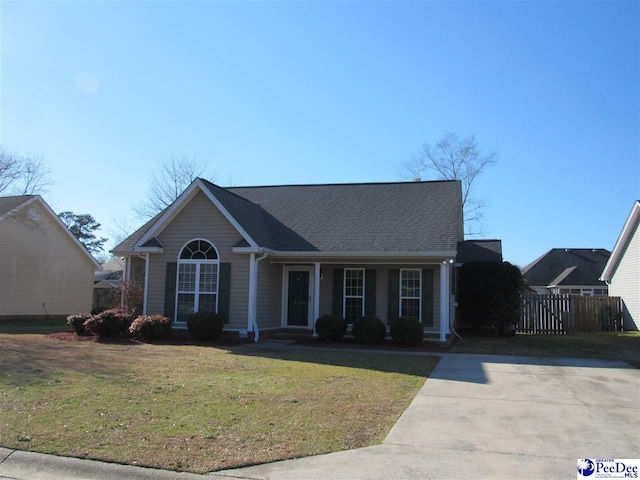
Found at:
(622, 271)
(44, 269)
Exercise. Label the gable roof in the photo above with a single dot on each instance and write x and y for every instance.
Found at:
(630, 226)
(479, 251)
(11, 205)
(397, 217)
(567, 266)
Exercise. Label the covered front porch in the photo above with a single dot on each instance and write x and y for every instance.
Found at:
(383, 287)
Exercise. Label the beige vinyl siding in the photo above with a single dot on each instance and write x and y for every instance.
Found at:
(625, 281)
(382, 288)
(269, 306)
(44, 271)
(201, 219)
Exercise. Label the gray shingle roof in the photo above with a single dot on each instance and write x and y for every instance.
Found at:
(567, 266)
(479, 251)
(367, 217)
(128, 243)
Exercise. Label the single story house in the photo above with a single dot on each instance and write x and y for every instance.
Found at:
(622, 271)
(46, 271)
(573, 271)
(277, 257)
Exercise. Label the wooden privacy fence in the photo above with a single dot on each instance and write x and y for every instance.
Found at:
(560, 314)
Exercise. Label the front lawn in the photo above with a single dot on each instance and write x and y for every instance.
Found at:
(197, 408)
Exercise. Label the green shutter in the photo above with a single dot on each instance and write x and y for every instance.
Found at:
(338, 289)
(394, 295)
(224, 291)
(170, 290)
(370, 292)
(427, 298)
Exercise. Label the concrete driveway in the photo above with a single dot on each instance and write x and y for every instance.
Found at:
(494, 417)
(477, 417)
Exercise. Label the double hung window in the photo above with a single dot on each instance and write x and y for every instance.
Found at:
(411, 293)
(353, 307)
(197, 283)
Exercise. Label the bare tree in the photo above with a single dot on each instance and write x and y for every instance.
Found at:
(454, 158)
(167, 181)
(22, 174)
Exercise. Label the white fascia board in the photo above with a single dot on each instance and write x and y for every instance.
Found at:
(180, 203)
(148, 250)
(622, 242)
(435, 254)
(247, 250)
(66, 230)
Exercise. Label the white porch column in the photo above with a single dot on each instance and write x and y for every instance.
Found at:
(316, 294)
(444, 300)
(126, 274)
(253, 276)
(146, 284)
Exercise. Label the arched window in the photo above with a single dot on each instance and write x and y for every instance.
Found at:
(197, 283)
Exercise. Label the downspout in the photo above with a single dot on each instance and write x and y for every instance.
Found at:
(254, 316)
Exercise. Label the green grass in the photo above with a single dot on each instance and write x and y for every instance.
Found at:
(196, 408)
(30, 325)
(624, 346)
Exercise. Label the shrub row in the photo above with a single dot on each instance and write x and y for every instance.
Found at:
(369, 330)
(114, 322)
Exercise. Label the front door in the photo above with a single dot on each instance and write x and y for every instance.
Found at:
(298, 302)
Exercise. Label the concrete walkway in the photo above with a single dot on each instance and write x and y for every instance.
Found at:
(477, 417)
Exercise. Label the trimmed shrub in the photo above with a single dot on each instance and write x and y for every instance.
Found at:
(150, 327)
(76, 321)
(489, 295)
(407, 331)
(205, 325)
(331, 327)
(369, 330)
(109, 323)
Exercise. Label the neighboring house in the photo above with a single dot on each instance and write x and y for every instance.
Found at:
(281, 256)
(45, 269)
(107, 283)
(622, 271)
(574, 271)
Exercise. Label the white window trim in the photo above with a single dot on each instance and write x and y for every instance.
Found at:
(419, 297)
(344, 291)
(196, 293)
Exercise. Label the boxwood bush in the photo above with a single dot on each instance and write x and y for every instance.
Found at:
(369, 330)
(331, 327)
(109, 323)
(76, 321)
(205, 325)
(407, 331)
(150, 327)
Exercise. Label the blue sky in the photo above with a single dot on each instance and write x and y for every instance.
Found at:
(280, 92)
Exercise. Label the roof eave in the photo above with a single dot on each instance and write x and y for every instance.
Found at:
(440, 254)
(621, 243)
